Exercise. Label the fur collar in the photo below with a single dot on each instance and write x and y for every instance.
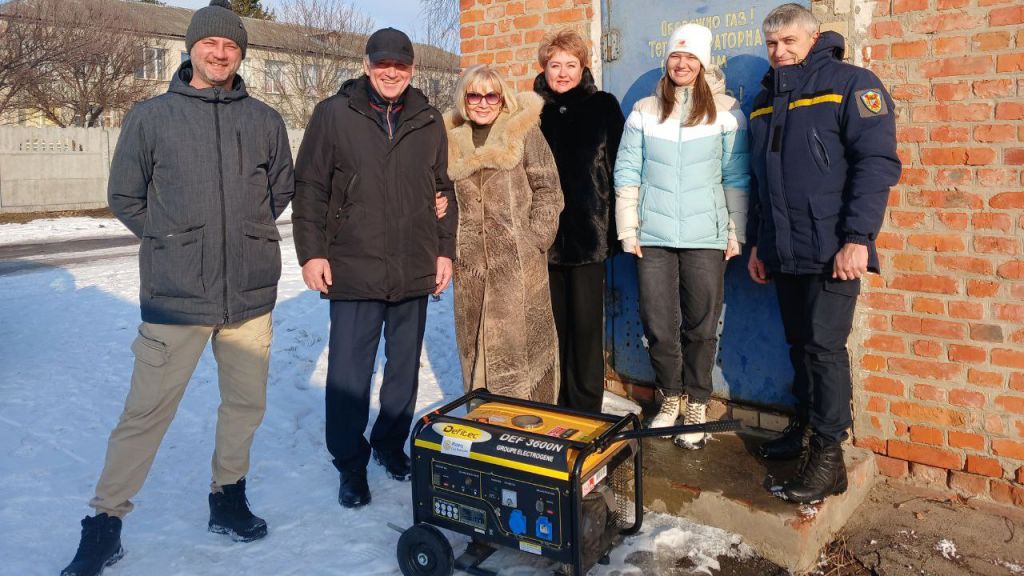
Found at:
(504, 147)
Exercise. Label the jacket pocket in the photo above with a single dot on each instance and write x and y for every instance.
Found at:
(825, 211)
(849, 288)
(818, 150)
(261, 255)
(176, 263)
(339, 209)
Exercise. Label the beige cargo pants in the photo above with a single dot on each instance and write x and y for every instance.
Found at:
(165, 357)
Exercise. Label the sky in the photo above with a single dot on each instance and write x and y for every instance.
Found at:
(401, 14)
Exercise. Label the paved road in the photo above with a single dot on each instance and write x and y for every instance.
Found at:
(21, 258)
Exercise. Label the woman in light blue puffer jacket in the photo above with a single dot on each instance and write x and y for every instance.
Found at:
(681, 185)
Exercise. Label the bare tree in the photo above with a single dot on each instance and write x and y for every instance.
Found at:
(322, 46)
(440, 26)
(439, 69)
(25, 47)
(99, 65)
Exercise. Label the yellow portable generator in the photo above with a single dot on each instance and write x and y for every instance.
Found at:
(546, 480)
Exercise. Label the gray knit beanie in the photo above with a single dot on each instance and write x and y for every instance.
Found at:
(218, 20)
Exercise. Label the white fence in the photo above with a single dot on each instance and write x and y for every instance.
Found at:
(51, 169)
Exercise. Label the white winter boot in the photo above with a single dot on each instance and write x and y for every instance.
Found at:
(694, 413)
(668, 413)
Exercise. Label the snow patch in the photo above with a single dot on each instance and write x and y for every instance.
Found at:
(65, 366)
(1013, 568)
(619, 406)
(55, 229)
(947, 548)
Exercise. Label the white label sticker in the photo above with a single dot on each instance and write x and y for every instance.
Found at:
(530, 547)
(593, 480)
(455, 446)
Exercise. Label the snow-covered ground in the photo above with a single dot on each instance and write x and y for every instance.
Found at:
(64, 369)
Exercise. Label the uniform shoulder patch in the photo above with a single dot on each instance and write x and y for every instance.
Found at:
(871, 103)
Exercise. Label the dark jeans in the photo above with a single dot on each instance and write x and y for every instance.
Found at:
(577, 300)
(681, 295)
(817, 314)
(355, 334)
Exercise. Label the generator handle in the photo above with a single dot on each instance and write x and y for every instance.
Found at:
(707, 427)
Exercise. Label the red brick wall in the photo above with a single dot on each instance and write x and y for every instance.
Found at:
(507, 33)
(939, 347)
(941, 360)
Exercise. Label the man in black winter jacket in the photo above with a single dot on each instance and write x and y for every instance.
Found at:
(823, 156)
(200, 174)
(371, 163)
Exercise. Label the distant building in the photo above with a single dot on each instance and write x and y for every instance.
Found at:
(290, 67)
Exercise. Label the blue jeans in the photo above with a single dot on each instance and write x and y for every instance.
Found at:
(681, 292)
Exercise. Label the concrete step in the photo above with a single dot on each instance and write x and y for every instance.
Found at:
(726, 486)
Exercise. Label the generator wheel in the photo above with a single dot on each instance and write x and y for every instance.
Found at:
(424, 551)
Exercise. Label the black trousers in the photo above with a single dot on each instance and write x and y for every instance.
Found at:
(577, 300)
(681, 294)
(355, 334)
(817, 315)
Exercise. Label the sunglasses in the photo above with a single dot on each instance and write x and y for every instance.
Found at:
(491, 98)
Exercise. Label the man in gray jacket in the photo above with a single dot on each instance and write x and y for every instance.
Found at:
(200, 174)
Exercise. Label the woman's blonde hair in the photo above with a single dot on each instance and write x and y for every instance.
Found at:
(482, 79)
(568, 41)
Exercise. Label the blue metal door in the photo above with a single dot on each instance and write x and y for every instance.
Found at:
(753, 359)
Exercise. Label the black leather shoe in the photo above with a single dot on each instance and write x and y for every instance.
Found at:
(395, 463)
(790, 445)
(100, 546)
(821, 476)
(230, 514)
(354, 491)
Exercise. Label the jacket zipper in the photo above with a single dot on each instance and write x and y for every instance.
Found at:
(238, 136)
(223, 203)
(387, 189)
(821, 147)
(776, 153)
(387, 120)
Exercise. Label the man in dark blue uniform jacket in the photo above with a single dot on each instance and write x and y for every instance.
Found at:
(823, 156)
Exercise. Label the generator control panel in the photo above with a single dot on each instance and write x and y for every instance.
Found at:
(521, 510)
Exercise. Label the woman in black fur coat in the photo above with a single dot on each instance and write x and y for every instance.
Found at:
(582, 126)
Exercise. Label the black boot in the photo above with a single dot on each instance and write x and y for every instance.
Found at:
(354, 491)
(100, 546)
(821, 476)
(230, 514)
(395, 463)
(790, 445)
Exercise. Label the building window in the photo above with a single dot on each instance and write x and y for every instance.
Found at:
(310, 79)
(153, 64)
(310, 73)
(273, 79)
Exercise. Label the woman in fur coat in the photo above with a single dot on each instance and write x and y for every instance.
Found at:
(583, 126)
(507, 187)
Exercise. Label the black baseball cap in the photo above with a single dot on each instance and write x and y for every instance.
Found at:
(389, 44)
